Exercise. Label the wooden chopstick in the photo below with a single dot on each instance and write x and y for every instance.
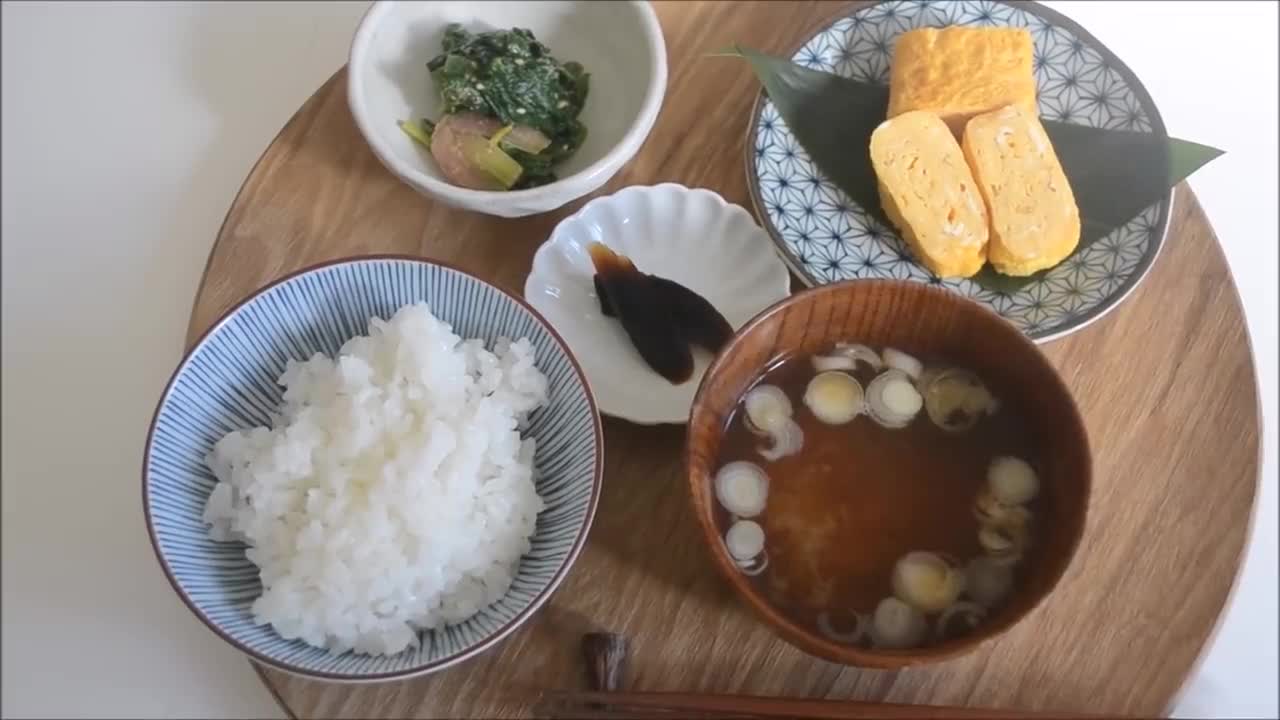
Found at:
(636, 704)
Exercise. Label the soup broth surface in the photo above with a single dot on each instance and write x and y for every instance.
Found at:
(859, 496)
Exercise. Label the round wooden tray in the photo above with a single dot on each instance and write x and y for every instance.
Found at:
(1166, 385)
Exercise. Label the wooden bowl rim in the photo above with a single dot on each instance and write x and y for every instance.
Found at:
(796, 634)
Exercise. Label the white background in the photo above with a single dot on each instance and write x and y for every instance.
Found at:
(127, 129)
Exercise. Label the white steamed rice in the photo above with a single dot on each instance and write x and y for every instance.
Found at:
(394, 492)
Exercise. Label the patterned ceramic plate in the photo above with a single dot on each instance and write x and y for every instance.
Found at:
(825, 237)
(228, 382)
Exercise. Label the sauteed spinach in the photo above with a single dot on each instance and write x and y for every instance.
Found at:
(504, 86)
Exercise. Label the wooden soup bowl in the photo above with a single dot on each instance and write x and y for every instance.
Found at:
(928, 322)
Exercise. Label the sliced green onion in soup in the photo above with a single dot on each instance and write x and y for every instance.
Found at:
(742, 488)
(834, 397)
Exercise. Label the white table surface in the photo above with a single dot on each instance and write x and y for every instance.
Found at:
(127, 129)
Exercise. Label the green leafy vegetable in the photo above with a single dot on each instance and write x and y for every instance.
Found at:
(537, 167)
(486, 156)
(1114, 174)
(511, 76)
(522, 138)
(421, 131)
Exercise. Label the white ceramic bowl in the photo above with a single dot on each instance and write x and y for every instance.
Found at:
(619, 43)
(691, 236)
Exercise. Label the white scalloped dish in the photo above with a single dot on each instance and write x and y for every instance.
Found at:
(691, 236)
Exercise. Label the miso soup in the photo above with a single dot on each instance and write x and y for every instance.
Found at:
(885, 500)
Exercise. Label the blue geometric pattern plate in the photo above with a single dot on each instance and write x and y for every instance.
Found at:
(825, 237)
(228, 382)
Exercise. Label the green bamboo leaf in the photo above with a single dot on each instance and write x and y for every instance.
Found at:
(1114, 174)
(831, 116)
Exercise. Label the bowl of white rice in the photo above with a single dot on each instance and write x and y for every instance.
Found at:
(371, 469)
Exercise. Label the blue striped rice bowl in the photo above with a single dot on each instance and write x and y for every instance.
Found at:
(228, 382)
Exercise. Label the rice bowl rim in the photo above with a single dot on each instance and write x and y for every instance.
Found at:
(494, 638)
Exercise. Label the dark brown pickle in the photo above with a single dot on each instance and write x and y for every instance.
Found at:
(603, 297)
(695, 317)
(629, 295)
(661, 316)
